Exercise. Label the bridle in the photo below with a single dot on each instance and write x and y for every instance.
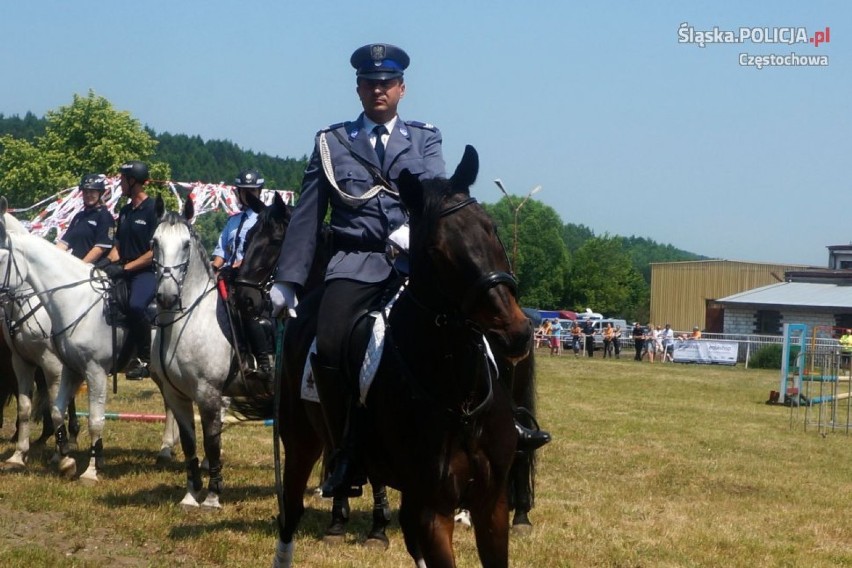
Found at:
(458, 317)
(481, 286)
(177, 273)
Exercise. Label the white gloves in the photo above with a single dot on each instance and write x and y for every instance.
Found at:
(399, 239)
(283, 297)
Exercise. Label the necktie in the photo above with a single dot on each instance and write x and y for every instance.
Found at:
(237, 239)
(380, 146)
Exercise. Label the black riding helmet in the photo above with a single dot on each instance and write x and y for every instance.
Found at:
(93, 181)
(135, 169)
(249, 179)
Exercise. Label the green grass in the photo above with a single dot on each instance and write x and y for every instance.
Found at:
(651, 465)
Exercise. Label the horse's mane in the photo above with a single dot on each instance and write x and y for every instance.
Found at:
(171, 220)
(435, 192)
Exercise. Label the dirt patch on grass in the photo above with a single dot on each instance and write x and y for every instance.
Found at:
(49, 532)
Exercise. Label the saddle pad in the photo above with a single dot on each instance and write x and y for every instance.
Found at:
(309, 388)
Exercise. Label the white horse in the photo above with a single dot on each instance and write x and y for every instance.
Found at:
(26, 330)
(32, 269)
(191, 353)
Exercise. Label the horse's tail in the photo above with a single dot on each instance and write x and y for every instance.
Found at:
(253, 405)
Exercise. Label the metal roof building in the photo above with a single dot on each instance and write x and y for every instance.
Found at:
(682, 293)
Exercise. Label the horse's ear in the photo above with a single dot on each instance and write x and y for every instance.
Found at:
(254, 203)
(4, 206)
(466, 171)
(279, 208)
(188, 209)
(410, 192)
(160, 206)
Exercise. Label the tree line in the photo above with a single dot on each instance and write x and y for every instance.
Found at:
(559, 265)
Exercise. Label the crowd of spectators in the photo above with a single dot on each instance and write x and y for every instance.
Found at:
(650, 342)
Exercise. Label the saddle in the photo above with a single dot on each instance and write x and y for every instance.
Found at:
(117, 303)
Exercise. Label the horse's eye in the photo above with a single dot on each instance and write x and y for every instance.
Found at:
(186, 245)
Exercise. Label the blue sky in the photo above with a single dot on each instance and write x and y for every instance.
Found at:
(627, 130)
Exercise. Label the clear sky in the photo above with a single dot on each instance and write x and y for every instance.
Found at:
(627, 130)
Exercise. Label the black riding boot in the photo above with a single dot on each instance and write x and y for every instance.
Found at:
(140, 333)
(259, 333)
(529, 439)
(343, 421)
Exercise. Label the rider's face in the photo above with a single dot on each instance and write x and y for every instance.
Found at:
(380, 98)
(91, 197)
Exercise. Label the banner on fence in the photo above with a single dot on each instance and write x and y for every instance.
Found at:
(704, 351)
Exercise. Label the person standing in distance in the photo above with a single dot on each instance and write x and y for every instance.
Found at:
(91, 231)
(131, 258)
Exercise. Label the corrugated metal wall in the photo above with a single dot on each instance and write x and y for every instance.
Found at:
(680, 290)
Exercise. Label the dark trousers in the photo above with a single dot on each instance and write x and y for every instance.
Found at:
(639, 344)
(142, 286)
(343, 301)
(590, 345)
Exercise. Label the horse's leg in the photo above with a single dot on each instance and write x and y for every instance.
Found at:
(42, 399)
(377, 538)
(336, 531)
(520, 484)
(96, 381)
(182, 409)
(491, 527)
(67, 465)
(25, 373)
(171, 434)
(73, 423)
(211, 425)
(428, 535)
(302, 449)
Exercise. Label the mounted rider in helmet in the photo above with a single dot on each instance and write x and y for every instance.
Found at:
(227, 257)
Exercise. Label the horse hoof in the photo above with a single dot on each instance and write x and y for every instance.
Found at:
(522, 529)
(377, 541)
(12, 466)
(333, 539)
(67, 467)
(89, 479)
(211, 505)
(189, 504)
(164, 458)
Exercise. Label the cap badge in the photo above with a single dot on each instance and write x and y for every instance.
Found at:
(377, 53)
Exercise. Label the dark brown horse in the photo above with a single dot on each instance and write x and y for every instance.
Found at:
(439, 427)
(299, 418)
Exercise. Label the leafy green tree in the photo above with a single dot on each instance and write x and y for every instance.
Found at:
(88, 135)
(603, 278)
(542, 259)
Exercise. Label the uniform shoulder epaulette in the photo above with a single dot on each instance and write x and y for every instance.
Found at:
(423, 125)
(332, 127)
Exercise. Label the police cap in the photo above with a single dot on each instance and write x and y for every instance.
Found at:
(379, 61)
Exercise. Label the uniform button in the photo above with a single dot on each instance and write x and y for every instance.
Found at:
(381, 194)
(392, 226)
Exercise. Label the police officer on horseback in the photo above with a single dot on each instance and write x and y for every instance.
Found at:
(354, 169)
(90, 233)
(227, 257)
(131, 259)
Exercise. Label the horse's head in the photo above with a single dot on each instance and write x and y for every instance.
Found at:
(264, 241)
(457, 260)
(176, 251)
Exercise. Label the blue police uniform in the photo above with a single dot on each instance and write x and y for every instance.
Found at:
(360, 233)
(91, 227)
(231, 245)
(136, 228)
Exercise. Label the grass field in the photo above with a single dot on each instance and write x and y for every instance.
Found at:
(652, 465)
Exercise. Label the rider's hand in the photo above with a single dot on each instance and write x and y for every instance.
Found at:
(114, 270)
(283, 296)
